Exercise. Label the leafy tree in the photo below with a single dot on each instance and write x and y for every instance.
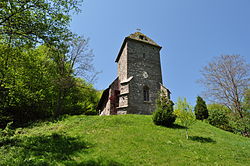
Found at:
(77, 62)
(82, 99)
(163, 114)
(32, 21)
(182, 104)
(200, 109)
(31, 88)
(184, 113)
(226, 78)
(27, 92)
(39, 61)
(219, 116)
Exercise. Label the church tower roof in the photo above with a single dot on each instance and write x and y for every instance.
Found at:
(143, 38)
(138, 36)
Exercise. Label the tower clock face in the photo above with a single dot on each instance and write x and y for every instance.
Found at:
(145, 74)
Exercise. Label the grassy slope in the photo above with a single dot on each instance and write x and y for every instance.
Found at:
(123, 140)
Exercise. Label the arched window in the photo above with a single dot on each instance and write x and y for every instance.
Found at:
(146, 93)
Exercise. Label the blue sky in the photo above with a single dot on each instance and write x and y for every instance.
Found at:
(191, 33)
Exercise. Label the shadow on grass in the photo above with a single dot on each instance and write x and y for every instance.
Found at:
(44, 150)
(5, 141)
(54, 149)
(202, 139)
(176, 126)
(99, 162)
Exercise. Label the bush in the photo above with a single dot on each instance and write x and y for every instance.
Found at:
(163, 114)
(219, 118)
(240, 125)
(91, 112)
(7, 135)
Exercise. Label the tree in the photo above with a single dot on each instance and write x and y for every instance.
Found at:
(81, 99)
(200, 109)
(37, 83)
(226, 78)
(27, 91)
(184, 114)
(33, 21)
(81, 59)
(163, 114)
(40, 58)
(77, 62)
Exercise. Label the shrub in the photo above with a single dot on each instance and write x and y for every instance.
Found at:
(219, 118)
(7, 135)
(91, 112)
(240, 125)
(163, 114)
(200, 109)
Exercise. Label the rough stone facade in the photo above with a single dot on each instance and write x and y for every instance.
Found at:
(139, 78)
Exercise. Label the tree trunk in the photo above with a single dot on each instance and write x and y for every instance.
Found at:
(186, 133)
(60, 101)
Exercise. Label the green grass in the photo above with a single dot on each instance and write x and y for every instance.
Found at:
(122, 140)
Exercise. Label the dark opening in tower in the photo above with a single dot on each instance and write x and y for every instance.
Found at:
(146, 93)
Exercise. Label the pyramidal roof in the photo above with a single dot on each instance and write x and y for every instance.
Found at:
(143, 38)
(138, 36)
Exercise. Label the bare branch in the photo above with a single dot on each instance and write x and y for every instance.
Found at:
(81, 59)
(226, 78)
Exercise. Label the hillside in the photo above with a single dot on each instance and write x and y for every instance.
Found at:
(122, 140)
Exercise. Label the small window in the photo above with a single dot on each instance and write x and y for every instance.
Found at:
(141, 37)
(146, 93)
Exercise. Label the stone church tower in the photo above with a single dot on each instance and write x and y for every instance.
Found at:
(139, 80)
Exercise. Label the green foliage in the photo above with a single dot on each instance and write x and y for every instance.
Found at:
(200, 109)
(82, 99)
(32, 86)
(28, 73)
(218, 107)
(7, 136)
(240, 125)
(95, 140)
(27, 84)
(8, 131)
(223, 118)
(246, 102)
(184, 113)
(182, 104)
(33, 21)
(219, 119)
(163, 114)
(218, 116)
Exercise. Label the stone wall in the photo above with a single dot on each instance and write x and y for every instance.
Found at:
(122, 65)
(110, 107)
(144, 65)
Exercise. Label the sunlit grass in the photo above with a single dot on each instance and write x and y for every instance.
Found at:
(123, 140)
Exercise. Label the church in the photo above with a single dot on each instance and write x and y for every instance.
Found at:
(139, 80)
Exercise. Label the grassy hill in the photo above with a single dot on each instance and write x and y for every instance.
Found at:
(122, 140)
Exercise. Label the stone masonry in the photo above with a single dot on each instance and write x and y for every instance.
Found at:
(139, 80)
